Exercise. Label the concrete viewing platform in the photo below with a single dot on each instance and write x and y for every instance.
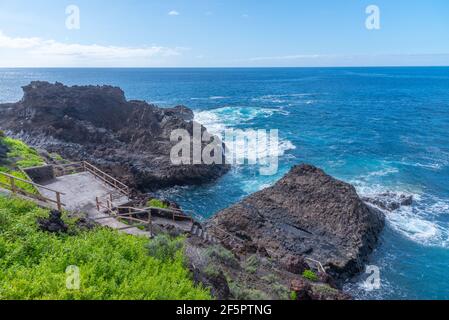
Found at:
(82, 188)
(80, 191)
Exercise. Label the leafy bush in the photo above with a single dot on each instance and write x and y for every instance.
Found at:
(226, 257)
(164, 248)
(212, 270)
(112, 265)
(2, 134)
(155, 203)
(252, 264)
(310, 275)
(240, 293)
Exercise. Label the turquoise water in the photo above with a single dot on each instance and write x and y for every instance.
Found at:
(381, 129)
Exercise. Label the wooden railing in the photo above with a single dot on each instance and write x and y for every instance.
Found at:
(67, 169)
(129, 213)
(106, 178)
(15, 189)
(84, 166)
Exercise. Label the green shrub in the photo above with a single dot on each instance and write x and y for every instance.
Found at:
(240, 293)
(164, 248)
(2, 134)
(252, 264)
(310, 275)
(155, 203)
(224, 256)
(293, 295)
(113, 266)
(212, 270)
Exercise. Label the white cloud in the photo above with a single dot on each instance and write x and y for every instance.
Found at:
(40, 52)
(173, 13)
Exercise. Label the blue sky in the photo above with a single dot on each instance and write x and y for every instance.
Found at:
(225, 33)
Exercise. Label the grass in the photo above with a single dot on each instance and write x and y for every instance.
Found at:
(19, 156)
(5, 181)
(22, 155)
(113, 266)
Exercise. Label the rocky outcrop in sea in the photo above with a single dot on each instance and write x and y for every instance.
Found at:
(129, 139)
(306, 218)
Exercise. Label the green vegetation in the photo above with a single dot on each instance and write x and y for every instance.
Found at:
(213, 271)
(164, 248)
(155, 203)
(241, 293)
(112, 265)
(56, 156)
(276, 286)
(293, 295)
(5, 181)
(325, 290)
(252, 264)
(22, 155)
(19, 156)
(222, 255)
(310, 275)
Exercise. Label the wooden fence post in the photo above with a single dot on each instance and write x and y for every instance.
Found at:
(150, 224)
(13, 184)
(58, 201)
(98, 203)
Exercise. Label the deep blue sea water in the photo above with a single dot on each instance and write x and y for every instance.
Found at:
(381, 129)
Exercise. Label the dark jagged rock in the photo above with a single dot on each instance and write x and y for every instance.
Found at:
(307, 214)
(53, 223)
(302, 289)
(389, 201)
(129, 139)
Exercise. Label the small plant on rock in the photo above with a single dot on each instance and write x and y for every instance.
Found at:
(156, 203)
(310, 275)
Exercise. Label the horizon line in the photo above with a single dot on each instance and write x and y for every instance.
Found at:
(239, 67)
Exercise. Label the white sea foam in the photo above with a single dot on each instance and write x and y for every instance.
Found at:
(211, 98)
(283, 98)
(218, 120)
(418, 222)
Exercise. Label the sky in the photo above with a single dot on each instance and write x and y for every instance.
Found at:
(223, 33)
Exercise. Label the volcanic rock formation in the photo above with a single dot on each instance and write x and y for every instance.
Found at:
(129, 139)
(306, 215)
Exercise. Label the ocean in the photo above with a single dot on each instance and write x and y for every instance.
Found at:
(381, 129)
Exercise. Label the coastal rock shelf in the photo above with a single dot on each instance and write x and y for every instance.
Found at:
(128, 139)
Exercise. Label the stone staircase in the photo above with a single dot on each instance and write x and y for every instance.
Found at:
(199, 231)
